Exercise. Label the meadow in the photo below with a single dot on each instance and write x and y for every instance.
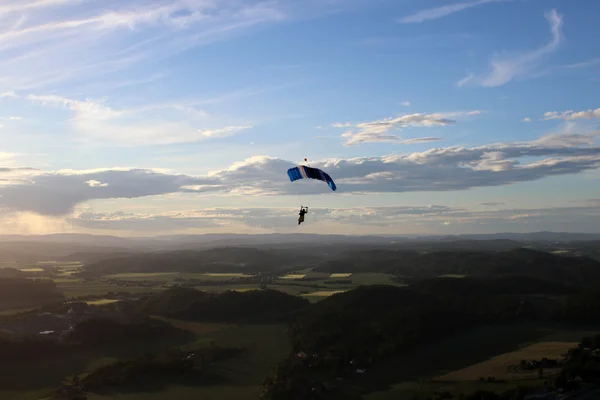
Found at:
(312, 285)
(503, 366)
(265, 346)
(456, 364)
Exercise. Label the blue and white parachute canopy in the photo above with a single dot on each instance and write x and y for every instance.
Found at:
(304, 172)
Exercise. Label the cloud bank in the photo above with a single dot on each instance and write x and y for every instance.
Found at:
(437, 169)
(427, 218)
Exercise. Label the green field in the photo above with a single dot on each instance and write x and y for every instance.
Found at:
(314, 286)
(293, 276)
(140, 275)
(31, 269)
(171, 276)
(61, 263)
(265, 346)
(324, 293)
(73, 288)
(101, 302)
(9, 264)
(228, 275)
(6, 313)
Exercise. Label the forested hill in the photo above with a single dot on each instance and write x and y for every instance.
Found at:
(517, 262)
(254, 306)
(231, 259)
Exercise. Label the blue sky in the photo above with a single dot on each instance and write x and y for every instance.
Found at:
(182, 116)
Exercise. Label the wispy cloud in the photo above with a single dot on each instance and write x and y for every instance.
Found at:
(223, 132)
(381, 130)
(444, 11)
(341, 124)
(465, 80)
(406, 103)
(11, 118)
(96, 123)
(584, 64)
(72, 42)
(493, 203)
(508, 68)
(526, 119)
(422, 140)
(573, 115)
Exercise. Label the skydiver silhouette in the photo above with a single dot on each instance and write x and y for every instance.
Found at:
(303, 210)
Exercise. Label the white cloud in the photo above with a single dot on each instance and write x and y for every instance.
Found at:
(526, 119)
(82, 107)
(227, 131)
(406, 103)
(508, 68)
(573, 115)
(568, 139)
(454, 168)
(11, 118)
(381, 130)
(443, 11)
(94, 183)
(421, 140)
(96, 123)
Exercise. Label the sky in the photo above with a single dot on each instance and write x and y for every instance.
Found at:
(156, 117)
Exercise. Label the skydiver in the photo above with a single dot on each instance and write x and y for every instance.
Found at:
(303, 210)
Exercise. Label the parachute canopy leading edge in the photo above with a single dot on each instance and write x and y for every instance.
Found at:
(304, 172)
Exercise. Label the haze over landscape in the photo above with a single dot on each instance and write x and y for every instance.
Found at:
(158, 157)
(167, 117)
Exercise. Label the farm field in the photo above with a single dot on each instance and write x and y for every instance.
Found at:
(501, 366)
(426, 390)
(140, 275)
(485, 352)
(314, 286)
(101, 302)
(340, 275)
(293, 276)
(323, 293)
(76, 288)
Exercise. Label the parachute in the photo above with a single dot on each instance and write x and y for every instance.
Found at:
(304, 172)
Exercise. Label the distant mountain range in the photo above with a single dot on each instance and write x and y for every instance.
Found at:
(212, 240)
(92, 248)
